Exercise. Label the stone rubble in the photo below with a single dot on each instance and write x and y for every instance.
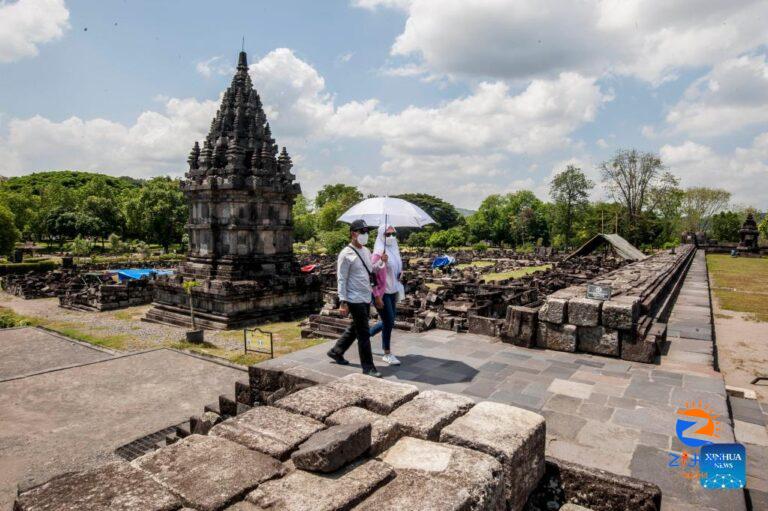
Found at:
(488, 457)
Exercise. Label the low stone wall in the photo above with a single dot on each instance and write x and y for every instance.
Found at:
(104, 297)
(630, 325)
(34, 284)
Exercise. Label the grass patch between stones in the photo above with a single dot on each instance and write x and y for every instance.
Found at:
(515, 274)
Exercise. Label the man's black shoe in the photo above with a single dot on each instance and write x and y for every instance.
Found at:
(372, 372)
(339, 359)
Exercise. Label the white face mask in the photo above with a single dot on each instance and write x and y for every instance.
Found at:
(362, 238)
(390, 240)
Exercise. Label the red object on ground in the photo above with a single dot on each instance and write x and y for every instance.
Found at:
(308, 268)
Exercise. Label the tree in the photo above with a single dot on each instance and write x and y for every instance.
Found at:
(331, 202)
(453, 237)
(340, 193)
(304, 224)
(631, 176)
(162, 211)
(9, 234)
(725, 225)
(444, 213)
(514, 218)
(570, 192)
(700, 203)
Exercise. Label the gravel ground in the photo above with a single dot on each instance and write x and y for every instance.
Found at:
(138, 335)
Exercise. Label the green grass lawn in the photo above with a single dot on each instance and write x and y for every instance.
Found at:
(740, 283)
(476, 264)
(515, 274)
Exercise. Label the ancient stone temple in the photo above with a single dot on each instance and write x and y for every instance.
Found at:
(240, 194)
(748, 235)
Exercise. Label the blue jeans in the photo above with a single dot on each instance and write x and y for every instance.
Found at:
(387, 319)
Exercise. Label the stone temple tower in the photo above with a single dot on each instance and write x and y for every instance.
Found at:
(240, 191)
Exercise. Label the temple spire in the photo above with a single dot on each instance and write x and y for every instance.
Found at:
(242, 61)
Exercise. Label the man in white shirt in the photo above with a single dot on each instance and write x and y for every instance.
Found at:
(354, 273)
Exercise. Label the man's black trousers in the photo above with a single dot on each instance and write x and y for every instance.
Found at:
(359, 330)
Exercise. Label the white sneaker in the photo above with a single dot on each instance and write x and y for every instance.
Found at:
(390, 359)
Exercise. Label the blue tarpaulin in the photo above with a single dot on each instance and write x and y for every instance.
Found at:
(137, 273)
(443, 260)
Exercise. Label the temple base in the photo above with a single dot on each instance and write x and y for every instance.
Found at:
(224, 305)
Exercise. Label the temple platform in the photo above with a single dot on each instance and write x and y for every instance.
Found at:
(601, 412)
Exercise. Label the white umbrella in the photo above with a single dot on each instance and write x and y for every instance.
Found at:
(387, 210)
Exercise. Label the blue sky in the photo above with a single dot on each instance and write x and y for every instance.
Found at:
(460, 99)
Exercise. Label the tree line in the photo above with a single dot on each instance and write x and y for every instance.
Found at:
(61, 206)
(644, 203)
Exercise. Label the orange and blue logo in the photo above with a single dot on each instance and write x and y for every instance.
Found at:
(697, 424)
(716, 465)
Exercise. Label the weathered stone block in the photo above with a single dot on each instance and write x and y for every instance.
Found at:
(483, 326)
(573, 507)
(557, 337)
(621, 312)
(203, 424)
(112, 486)
(584, 311)
(384, 430)
(638, 350)
(332, 448)
(321, 401)
(520, 326)
(270, 430)
(307, 491)
(209, 472)
(429, 412)
(378, 395)
(598, 340)
(554, 310)
(514, 436)
(438, 477)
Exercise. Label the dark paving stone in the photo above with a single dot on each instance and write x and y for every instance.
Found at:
(758, 499)
(562, 425)
(483, 388)
(537, 389)
(520, 369)
(492, 367)
(747, 410)
(528, 402)
(598, 399)
(556, 371)
(593, 363)
(651, 391)
(480, 354)
(655, 440)
(514, 356)
(595, 412)
(646, 419)
(563, 404)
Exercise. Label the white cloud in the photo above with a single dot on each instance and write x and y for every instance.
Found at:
(733, 95)
(345, 57)
(743, 172)
(25, 24)
(157, 143)
(214, 66)
(649, 39)
(601, 143)
(293, 93)
(389, 4)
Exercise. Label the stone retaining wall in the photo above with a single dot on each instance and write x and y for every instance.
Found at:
(630, 325)
(104, 297)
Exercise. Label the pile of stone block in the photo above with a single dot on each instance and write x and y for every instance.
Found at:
(33, 285)
(105, 295)
(630, 325)
(460, 300)
(353, 442)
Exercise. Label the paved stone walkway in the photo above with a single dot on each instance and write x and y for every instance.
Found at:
(607, 413)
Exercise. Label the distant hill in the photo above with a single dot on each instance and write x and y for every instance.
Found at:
(465, 212)
(71, 179)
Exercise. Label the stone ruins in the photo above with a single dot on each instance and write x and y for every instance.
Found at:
(748, 235)
(240, 194)
(294, 439)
